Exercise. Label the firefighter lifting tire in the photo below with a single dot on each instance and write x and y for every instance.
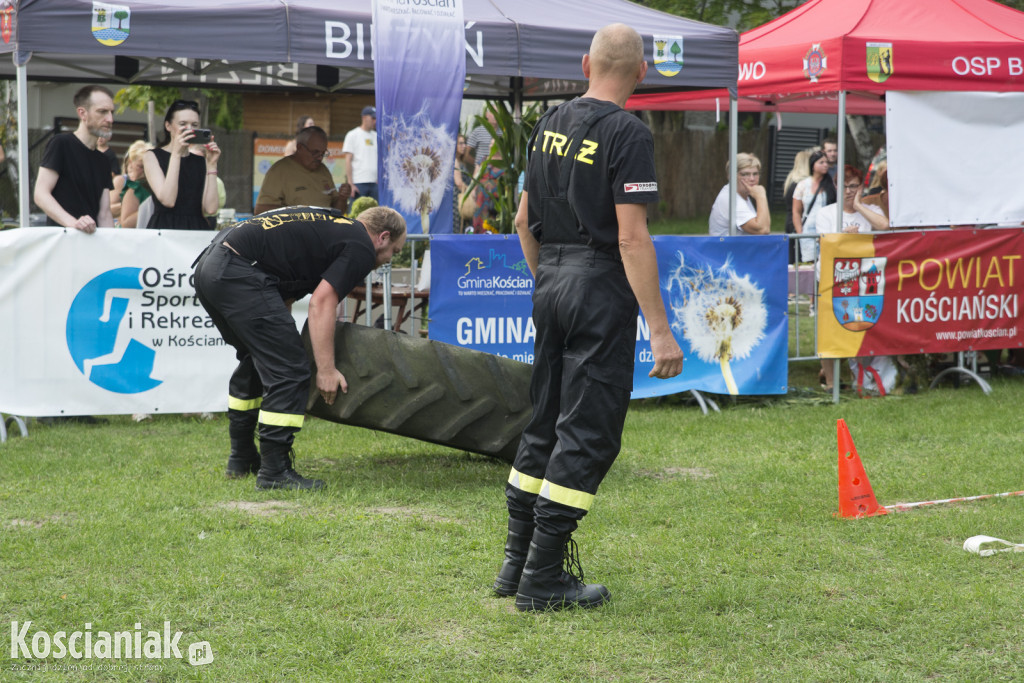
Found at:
(426, 390)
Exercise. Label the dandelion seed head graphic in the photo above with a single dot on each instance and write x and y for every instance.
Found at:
(421, 169)
(418, 162)
(722, 315)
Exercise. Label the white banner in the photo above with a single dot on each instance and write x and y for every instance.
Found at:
(107, 323)
(953, 158)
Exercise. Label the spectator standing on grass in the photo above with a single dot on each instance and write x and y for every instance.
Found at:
(582, 223)
(182, 175)
(74, 179)
(752, 214)
(360, 152)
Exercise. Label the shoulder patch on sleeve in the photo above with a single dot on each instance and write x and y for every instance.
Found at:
(640, 187)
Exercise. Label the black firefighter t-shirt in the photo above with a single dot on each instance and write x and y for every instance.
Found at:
(302, 245)
(614, 165)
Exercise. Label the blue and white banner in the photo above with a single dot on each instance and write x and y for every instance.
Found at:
(725, 299)
(480, 295)
(726, 302)
(419, 70)
(107, 324)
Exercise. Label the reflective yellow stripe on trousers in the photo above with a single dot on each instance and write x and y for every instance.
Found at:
(524, 482)
(281, 419)
(566, 496)
(243, 404)
(544, 488)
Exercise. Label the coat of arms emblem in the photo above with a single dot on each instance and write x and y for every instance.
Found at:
(858, 292)
(879, 61)
(110, 23)
(815, 62)
(668, 55)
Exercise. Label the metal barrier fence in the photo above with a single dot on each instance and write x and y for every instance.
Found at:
(408, 293)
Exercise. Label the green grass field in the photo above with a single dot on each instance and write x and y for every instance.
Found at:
(714, 534)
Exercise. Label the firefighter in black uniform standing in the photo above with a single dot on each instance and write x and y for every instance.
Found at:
(582, 223)
(246, 280)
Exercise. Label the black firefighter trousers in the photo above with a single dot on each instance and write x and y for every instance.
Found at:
(273, 370)
(585, 314)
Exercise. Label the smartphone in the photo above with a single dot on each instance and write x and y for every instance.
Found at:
(202, 136)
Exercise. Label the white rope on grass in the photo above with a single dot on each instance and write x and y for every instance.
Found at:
(903, 507)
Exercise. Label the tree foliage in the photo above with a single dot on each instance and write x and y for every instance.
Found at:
(225, 108)
(739, 14)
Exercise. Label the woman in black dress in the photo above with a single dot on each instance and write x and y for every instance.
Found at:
(183, 176)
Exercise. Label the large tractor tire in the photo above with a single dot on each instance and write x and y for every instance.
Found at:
(426, 390)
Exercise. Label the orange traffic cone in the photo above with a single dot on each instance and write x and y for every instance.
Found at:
(856, 499)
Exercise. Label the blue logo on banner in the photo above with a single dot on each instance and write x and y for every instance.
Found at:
(480, 295)
(496, 259)
(109, 359)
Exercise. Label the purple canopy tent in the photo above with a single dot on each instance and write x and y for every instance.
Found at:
(518, 49)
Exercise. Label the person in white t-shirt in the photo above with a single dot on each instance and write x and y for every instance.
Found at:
(857, 217)
(360, 152)
(752, 215)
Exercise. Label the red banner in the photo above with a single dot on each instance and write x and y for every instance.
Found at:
(926, 292)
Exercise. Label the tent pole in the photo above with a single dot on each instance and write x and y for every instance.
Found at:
(517, 98)
(23, 168)
(840, 159)
(733, 151)
(840, 194)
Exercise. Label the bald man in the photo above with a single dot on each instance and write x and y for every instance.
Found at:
(582, 224)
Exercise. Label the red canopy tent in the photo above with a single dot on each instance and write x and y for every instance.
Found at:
(802, 60)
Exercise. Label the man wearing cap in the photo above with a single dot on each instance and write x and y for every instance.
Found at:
(360, 152)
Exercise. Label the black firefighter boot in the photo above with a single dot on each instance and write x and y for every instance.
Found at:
(276, 471)
(545, 585)
(245, 458)
(517, 545)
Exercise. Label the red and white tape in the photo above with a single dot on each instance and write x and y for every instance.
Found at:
(903, 507)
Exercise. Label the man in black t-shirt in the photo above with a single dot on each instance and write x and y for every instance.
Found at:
(74, 178)
(582, 223)
(246, 280)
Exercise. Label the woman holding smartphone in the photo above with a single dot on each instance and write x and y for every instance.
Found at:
(183, 172)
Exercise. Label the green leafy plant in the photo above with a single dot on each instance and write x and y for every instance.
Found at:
(361, 204)
(508, 153)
